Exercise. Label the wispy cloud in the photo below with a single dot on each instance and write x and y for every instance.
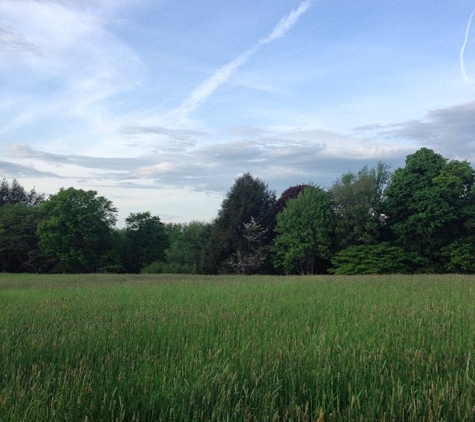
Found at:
(462, 51)
(14, 170)
(201, 93)
(286, 23)
(175, 134)
(204, 90)
(14, 42)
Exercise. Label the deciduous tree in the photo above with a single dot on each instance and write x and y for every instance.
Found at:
(305, 233)
(145, 241)
(358, 205)
(430, 206)
(76, 229)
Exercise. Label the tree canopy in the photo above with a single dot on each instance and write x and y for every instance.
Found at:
(76, 228)
(357, 201)
(419, 219)
(429, 206)
(249, 198)
(304, 233)
(145, 241)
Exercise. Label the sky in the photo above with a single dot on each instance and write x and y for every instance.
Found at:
(159, 105)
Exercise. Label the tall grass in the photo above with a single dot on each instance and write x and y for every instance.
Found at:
(174, 348)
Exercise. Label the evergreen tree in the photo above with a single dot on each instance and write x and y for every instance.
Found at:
(249, 198)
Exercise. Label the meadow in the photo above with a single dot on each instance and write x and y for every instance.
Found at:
(230, 348)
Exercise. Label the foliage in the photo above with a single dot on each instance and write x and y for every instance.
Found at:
(305, 230)
(358, 205)
(14, 194)
(290, 193)
(174, 348)
(256, 252)
(381, 258)
(77, 229)
(426, 208)
(19, 250)
(19, 216)
(460, 256)
(430, 205)
(184, 254)
(248, 198)
(145, 241)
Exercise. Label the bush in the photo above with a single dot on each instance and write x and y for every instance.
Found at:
(112, 269)
(160, 267)
(370, 259)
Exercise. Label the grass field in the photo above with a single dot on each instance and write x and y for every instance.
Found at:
(176, 348)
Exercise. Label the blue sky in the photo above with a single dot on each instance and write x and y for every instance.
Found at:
(160, 105)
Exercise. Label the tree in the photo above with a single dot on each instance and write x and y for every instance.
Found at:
(77, 229)
(145, 241)
(184, 253)
(186, 245)
(19, 216)
(14, 194)
(19, 250)
(430, 206)
(358, 205)
(304, 233)
(248, 198)
(246, 262)
(290, 193)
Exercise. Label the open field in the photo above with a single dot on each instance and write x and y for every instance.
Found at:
(176, 348)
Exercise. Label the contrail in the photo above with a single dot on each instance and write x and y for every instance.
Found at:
(462, 51)
(202, 92)
(206, 88)
(286, 23)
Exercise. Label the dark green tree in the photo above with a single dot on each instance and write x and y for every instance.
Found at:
(358, 205)
(19, 250)
(77, 229)
(19, 216)
(460, 256)
(145, 241)
(248, 198)
(13, 193)
(305, 233)
(430, 206)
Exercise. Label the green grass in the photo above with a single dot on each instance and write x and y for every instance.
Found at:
(176, 348)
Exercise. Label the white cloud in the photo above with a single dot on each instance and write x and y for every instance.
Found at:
(201, 93)
(204, 90)
(286, 23)
(462, 51)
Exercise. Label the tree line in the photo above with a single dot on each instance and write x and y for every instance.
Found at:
(419, 219)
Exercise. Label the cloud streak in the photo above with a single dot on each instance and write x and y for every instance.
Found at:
(286, 23)
(13, 42)
(462, 51)
(201, 93)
